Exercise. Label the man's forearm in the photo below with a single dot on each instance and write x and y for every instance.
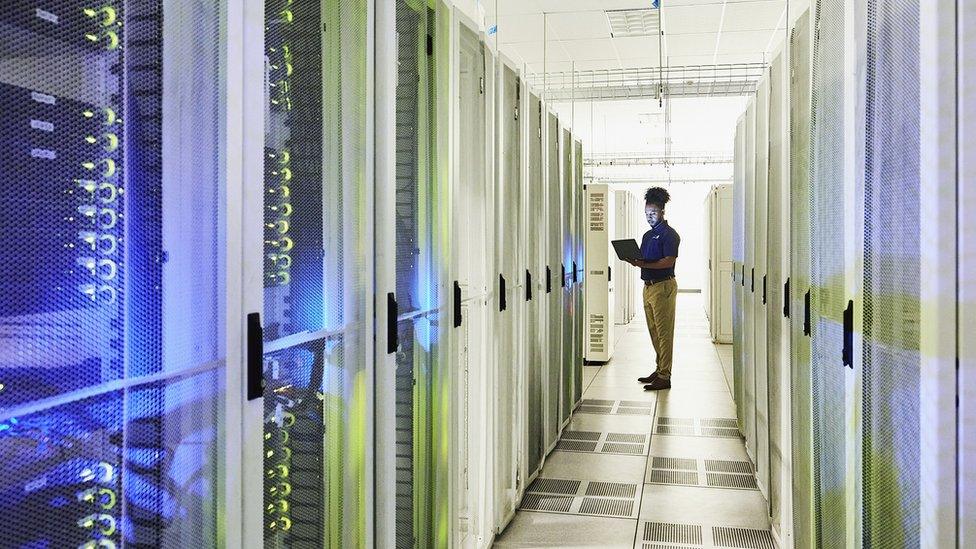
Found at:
(664, 263)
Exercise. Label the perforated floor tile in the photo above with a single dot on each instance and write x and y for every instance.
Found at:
(611, 499)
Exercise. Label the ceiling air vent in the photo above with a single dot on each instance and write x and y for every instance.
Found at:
(642, 22)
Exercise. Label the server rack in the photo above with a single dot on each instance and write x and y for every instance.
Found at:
(800, 280)
(555, 280)
(718, 262)
(777, 321)
(738, 271)
(600, 295)
(579, 262)
(509, 306)
(749, 284)
(536, 315)
(760, 281)
(569, 275)
(113, 317)
(471, 195)
(624, 206)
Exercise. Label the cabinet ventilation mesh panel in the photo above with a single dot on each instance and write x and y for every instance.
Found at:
(891, 278)
(535, 315)
(801, 378)
(103, 284)
(778, 141)
(555, 262)
(827, 241)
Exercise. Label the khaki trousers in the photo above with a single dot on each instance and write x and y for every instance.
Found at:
(659, 303)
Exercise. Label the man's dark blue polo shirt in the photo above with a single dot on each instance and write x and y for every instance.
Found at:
(659, 242)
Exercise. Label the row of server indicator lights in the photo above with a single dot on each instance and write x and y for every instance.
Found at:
(66, 154)
(278, 245)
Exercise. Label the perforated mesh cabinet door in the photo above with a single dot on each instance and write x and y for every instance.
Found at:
(554, 253)
(777, 232)
(827, 239)
(508, 199)
(761, 281)
(891, 451)
(568, 254)
(112, 317)
(535, 316)
(748, 290)
(738, 268)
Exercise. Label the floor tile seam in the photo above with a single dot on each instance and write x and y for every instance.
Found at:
(647, 461)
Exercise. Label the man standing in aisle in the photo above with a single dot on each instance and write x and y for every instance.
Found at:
(659, 251)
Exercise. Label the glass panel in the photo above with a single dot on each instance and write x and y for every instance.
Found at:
(113, 274)
(315, 257)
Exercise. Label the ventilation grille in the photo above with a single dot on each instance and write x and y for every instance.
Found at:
(726, 480)
(598, 402)
(742, 538)
(611, 489)
(581, 435)
(684, 478)
(719, 433)
(639, 22)
(703, 427)
(630, 411)
(672, 533)
(607, 507)
(675, 430)
(598, 212)
(576, 445)
(637, 403)
(555, 486)
(595, 409)
(676, 421)
(722, 466)
(627, 437)
(598, 332)
(727, 423)
(681, 464)
(621, 448)
(541, 502)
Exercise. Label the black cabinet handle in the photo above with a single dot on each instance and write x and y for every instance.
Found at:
(563, 265)
(528, 285)
(609, 273)
(752, 280)
(502, 303)
(847, 353)
(392, 334)
(786, 299)
(548, 280)
(743, 275)
(806, 314)
(457, 305)
(764, 290)
(255, 357)
(575, 272)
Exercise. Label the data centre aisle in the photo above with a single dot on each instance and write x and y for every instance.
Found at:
(645, 470)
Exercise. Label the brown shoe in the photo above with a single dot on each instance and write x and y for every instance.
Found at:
(648, 379)
(658, 385)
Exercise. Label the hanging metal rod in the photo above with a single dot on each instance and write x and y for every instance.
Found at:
(654, 159)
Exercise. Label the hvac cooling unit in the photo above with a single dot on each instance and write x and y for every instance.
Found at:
(598, 331)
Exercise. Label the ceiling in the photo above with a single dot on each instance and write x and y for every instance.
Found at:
(563, 35)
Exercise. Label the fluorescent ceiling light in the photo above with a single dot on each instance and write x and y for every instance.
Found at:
(642, 22)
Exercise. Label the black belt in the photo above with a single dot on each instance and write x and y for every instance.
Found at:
(653, 282)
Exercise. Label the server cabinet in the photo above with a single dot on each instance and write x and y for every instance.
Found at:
(599, 309)
(760, 282)
(718, 262)
(622, 273)
(555, 279)
(749, 284)
(317, 272)
(569, 275)
(801, 375)
(507, 218)
(777, 322)
(412, 264)
(536, 315)
(579, 262)
(114, 316)
(471, 234)
(738, 271)
(892, 462)
(833, 239)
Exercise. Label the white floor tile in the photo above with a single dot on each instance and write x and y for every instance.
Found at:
(530, 529)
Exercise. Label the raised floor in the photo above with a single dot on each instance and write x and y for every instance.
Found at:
(645, 470)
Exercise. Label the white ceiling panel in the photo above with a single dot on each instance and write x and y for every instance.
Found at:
(554, 6)
(753, 15)
(580, 50)
(692, 19)
(691, 44)
(520, 28)
(534, 52)
(744, 41)
(579, 25)
(633, 47)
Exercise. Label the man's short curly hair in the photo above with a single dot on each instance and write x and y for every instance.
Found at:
(658, 196)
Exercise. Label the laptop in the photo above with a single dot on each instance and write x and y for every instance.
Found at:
(627, 250)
